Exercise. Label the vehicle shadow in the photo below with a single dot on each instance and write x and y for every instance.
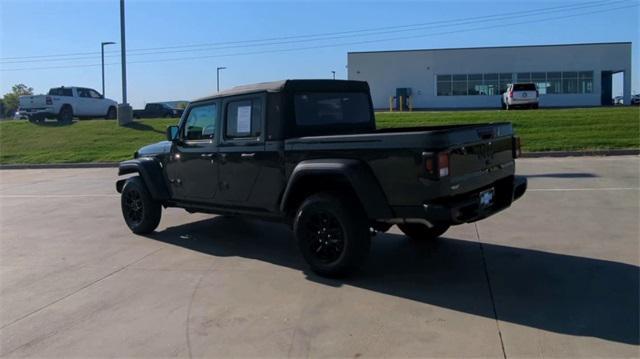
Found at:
(142, 127)
(555, 292)
(53, 123)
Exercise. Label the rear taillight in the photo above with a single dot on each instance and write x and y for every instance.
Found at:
(436, 164)
(49, 101)
(516, 147)
(510, 94)
(443, 164)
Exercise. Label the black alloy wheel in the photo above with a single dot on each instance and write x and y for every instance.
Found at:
(324, 236)
(333, 233)
(141, 213)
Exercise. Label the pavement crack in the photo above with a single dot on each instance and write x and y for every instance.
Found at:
(493, 301)
(193, 295)
(80, 289)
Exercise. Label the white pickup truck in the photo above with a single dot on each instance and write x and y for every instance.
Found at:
(65, 103)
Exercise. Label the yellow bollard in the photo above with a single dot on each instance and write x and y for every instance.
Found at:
(400, 104)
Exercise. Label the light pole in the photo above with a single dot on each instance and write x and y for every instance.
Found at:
(334, 74)
(218, 77)
(125, 113)
(102, 44)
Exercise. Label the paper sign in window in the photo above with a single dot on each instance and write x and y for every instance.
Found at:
(243, 121)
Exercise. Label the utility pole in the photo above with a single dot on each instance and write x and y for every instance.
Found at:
(218, 77)
(102, 45)
(334, 74)
(125, 113)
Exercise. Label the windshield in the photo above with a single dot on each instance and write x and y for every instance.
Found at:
(325, 108)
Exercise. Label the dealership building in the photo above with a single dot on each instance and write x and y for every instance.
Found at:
(565, 75)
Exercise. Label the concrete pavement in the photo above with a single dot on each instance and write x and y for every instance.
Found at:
(556, 275)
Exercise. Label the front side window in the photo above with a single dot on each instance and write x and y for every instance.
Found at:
(94, 94)
(201, 123)
(319, 108)
(243, 118)
(83, 93)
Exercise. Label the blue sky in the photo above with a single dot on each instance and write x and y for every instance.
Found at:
(38, 28)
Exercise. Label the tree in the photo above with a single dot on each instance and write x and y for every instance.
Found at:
(11, 99)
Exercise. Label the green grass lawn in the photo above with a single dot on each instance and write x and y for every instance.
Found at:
(105, 141)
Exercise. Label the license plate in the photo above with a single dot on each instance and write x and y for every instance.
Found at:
(486, 198)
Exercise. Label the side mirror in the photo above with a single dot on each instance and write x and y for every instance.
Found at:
(172, 133)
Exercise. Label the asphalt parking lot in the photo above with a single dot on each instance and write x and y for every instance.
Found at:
(556, 275)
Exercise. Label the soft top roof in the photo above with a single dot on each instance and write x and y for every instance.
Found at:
(292, 85)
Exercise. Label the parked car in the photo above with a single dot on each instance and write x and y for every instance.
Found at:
(20, 115)
(307, 153)
(618, 100)
(65, 103)
(635, 100)
(157, 110)
(524, 95)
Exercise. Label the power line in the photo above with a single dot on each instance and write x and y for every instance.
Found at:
(318, 37)
(333, 45)
(453, 23)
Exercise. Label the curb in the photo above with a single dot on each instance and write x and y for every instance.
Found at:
(625, 152)
(27, 166)
(604, 153)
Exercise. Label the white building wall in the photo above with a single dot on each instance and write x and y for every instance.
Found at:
(417, 69)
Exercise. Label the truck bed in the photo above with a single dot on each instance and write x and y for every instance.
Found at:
(479, 154)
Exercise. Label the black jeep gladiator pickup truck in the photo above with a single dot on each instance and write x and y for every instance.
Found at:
(307, 152)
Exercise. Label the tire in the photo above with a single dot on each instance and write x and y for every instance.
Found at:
(65, 115)
(141, 213)
(536, 106)
(421, 232)
(112, 113)
(322, 216)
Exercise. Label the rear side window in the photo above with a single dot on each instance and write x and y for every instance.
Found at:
(201, 123)
(524, 87)
(61, 91)
(243, 118)
(332, 108)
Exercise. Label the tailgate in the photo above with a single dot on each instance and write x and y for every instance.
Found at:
(486, 149)
(36, 101)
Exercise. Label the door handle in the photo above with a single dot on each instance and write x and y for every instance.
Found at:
(248, 155)
(207, 155)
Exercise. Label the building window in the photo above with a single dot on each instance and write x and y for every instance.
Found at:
(505, 80)
(554, 82)
(443, 85)
(475, 86)
(540, 79)
(585, 82)
(459, 85)
(491, 84)
(523, 77)
(570, 82)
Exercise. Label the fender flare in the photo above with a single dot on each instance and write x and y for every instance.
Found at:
(151, 172)
(356, 173)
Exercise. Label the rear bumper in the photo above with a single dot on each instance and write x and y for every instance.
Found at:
(39, 113)
(465, 208)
